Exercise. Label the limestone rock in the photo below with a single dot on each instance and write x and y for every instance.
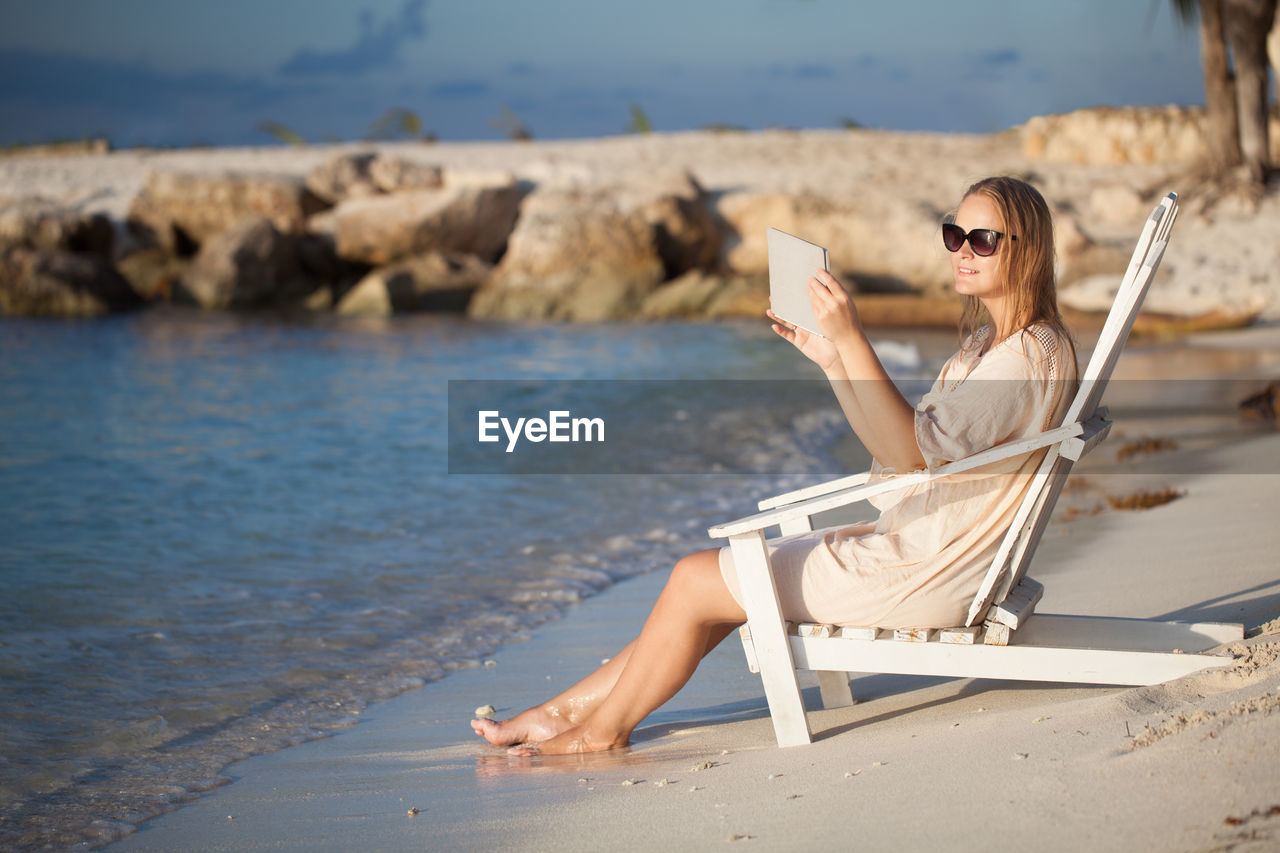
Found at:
(392, 175)
(37, 282)
(381, 229)
(1116, 135)
(37, 223)
(886, 244)
(250, 266)
(699, 295)
(686, 231)
(1118, 204)
(573, 256)
(183, 210)
(344, 176)
(431, 282)
(152, 272)
(457, 179)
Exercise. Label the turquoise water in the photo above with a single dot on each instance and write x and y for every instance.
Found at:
(224, 535)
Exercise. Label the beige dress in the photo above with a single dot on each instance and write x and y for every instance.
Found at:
(920, 563)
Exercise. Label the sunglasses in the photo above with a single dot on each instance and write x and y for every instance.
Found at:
(983, 240)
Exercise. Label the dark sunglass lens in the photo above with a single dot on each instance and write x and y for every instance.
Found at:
(952, 237)
(983, 241)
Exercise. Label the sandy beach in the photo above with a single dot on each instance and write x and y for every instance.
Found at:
(917, 763)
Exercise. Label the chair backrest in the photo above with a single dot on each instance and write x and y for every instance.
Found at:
(1019, 544)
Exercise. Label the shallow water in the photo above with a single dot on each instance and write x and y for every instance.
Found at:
(224, 535)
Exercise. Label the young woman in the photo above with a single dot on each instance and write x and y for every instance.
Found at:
(920, 563)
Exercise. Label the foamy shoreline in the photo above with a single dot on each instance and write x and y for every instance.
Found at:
(918, 762)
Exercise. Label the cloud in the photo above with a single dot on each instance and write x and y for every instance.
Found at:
(519, 68)
(999, 58)
(70, 80)
(45, 95)
(803, 71)
(376, 47)
(461, 89)
(56, 95)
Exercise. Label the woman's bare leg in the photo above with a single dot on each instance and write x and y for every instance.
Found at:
(573, 706)
(694, 613)
(558, 713)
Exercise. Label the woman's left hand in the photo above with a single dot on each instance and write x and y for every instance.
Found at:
(832, 306)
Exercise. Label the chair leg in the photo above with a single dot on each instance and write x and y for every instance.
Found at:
(834, 688)
(769, 639)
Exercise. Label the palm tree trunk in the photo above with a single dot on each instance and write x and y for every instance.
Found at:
(1273, 45)
(1222, 139)
(1247, 23)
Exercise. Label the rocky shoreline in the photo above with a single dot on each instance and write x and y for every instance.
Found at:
(656, 226)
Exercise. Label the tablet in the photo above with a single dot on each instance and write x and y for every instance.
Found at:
(791, 265)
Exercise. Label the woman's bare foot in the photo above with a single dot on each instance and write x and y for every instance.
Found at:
(571, 742)
(535, 724)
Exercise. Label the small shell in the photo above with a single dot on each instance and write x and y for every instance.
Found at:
(486, 711)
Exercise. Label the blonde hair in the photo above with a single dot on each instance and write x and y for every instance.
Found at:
(1026, 263)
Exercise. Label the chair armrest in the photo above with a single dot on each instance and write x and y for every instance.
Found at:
(814, 491)
(1096, 429)
(844, 497)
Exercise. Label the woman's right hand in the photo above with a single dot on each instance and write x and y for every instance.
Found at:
(816, 348)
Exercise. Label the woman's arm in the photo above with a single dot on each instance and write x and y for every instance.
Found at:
(875, 408)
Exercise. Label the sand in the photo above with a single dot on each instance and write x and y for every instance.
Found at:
(917, 763)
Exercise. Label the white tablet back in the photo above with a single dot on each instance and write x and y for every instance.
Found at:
(791, 265)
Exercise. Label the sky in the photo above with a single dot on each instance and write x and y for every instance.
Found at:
(175, 72)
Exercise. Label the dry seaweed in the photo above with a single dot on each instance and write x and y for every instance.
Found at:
(1143, 500)
(1145, 445)
(1265, 405)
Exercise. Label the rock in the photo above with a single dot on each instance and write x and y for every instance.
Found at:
(886, 244)
(1118, 204)
(250, 266)
(152, 272)
(36, 282)
(1092, 293)
(183, 211)
(1068, 238)
(456, 179)
(344, 176)
(474, 221)
(392, 175)
(37, 223)
(368, 173)
(1116, 135)
(686, 231)
(699, 295)
(431, 282)
(573, 256)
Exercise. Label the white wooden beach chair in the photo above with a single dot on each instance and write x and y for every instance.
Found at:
(1000, 639)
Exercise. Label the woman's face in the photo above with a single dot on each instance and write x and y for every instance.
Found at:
(974, 274)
